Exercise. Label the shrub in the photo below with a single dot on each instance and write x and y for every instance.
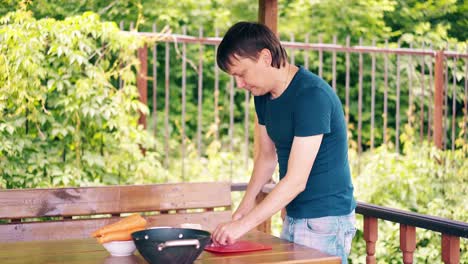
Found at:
(63, 121)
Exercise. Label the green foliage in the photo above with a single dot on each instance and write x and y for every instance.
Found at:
(416, 22)
(341, 18)
(62, 121)
(423, 179)
(435, 19)
(208, 14)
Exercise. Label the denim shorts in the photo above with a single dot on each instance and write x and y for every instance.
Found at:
(330, 234)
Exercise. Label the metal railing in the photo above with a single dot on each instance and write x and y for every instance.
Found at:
(371, 94)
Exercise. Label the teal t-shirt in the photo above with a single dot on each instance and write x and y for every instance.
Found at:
(308, 107)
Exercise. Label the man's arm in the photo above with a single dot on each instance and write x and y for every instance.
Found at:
(264, 166)
(303, 153)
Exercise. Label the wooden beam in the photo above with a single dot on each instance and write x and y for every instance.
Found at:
(268, 14)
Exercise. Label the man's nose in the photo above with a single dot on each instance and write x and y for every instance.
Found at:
(240, 82)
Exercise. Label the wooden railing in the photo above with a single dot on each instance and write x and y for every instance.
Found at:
(451, 230)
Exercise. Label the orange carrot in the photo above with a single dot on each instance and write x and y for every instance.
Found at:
(131, 222)
(121, 235)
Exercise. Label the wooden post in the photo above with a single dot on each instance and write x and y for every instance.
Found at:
(450, 249)
(141, 81)
(438, 98)
(407, 242)
(264, 227)
(370, 236)
(267, 15)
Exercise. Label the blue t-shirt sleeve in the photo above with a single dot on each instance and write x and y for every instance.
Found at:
(312, 115)
(260, 109)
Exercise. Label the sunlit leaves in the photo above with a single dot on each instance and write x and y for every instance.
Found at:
(64, 121)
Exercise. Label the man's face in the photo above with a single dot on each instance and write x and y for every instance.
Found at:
(250, 75)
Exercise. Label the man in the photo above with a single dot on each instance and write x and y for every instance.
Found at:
(302, 127)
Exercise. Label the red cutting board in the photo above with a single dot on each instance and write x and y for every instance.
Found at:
(239, 246)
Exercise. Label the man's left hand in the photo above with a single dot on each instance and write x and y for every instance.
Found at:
(228, 233)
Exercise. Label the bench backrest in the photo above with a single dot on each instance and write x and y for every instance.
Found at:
(77, 212)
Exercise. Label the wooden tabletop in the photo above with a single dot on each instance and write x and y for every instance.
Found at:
(88, 251)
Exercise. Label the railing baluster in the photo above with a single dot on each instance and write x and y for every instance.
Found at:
(347, 80)
(423, 86)
(450, 249)
(361, 73)
(397, 112)
(292, 51)
(410, 89)
(142, 82)
(231, 122)
(454, 103)
(246, 129)
(446, 91)
(216, 92)
(122, 27)
(439, 100)
(372, 97)
(334, 66)
(407, 242)
(184, 94)
(155, 87)
(320, 71)
(166, 107)
(370, 235)
(431, 91)
(200, 94)
(385, 114)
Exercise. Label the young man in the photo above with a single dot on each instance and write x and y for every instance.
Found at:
(302, 127)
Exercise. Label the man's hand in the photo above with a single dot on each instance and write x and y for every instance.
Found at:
(228, 233)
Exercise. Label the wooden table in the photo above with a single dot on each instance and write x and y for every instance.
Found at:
(88, 251)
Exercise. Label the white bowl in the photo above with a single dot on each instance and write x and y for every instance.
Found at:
(191, 226)
(158, 227)
(120, 248)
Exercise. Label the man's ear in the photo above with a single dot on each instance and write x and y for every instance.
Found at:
(265, 57)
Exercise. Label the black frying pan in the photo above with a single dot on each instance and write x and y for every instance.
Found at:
(171, 245)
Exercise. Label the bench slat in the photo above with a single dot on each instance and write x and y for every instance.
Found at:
(112, 199)
(74, 229)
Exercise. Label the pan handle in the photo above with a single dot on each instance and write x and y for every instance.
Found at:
(179, 243)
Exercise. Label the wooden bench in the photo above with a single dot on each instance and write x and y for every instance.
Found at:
(76, 212)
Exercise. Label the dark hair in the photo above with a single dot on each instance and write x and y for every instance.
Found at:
(247, 39)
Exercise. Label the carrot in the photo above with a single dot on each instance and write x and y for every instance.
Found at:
(131, 222)
(120, 235)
